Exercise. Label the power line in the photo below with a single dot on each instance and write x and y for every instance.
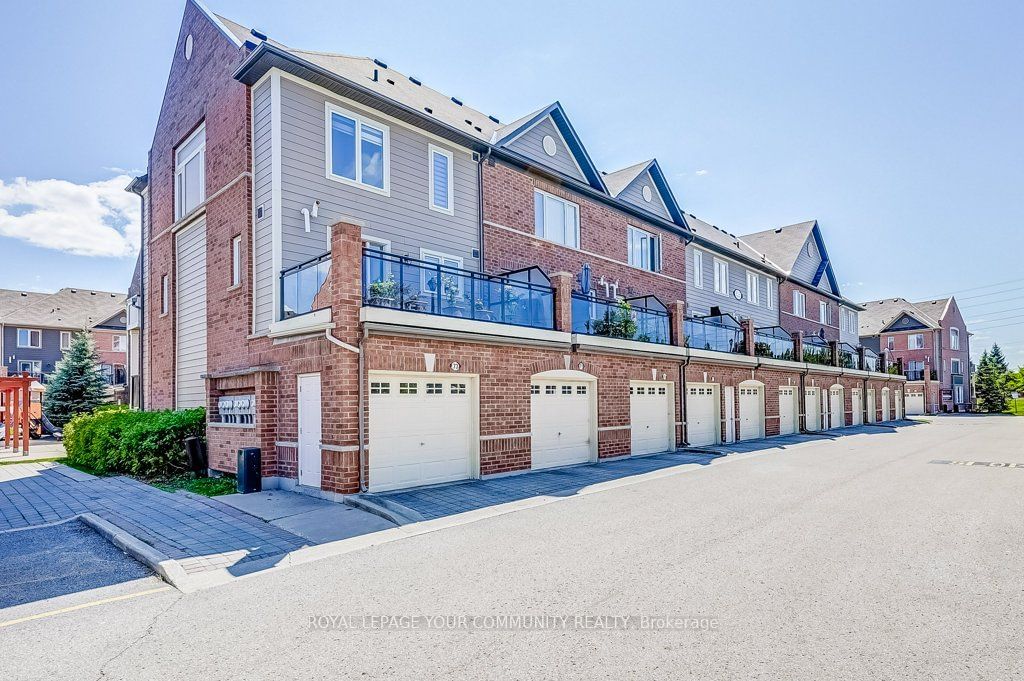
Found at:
(975, 288)
(1012, 309)
(1002, 326)
(992, 293)
(982, 323)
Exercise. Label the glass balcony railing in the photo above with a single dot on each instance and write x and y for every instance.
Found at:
(635, 319)
(301, 286)
(774, 342)
(721, 334)
(522, 298)
(817, 351)
(847, 356)
(872, 362)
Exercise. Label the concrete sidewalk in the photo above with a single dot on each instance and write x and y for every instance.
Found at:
(317, 520)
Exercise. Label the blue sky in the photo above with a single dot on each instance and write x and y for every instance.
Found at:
(896, 125)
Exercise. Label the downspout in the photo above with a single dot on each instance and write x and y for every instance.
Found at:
(358, 349)
(802, 397)
(682, 399)
(481, 159)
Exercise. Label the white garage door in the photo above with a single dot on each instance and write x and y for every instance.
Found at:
(190, 311)
(915, 403)
(560, 418)
(651, 417)
(421, 430)
(812, 409)
(702, 414)
(885, 405)
(871, 406)
(858, 407)
(837, 415)
(751, 412)
(787, 410)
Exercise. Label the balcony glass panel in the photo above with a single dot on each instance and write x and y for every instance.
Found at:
(817, 351)
(300, 286)
(774, 342)
(625, 319)
(872, 362)
(847, 356)
(722, 334)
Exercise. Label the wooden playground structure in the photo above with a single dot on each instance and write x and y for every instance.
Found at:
(16, 396)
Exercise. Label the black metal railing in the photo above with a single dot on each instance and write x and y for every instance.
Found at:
(721, 334)
(301, 285)
(914, 374)
(622, 319)
(414, 285)
(817, 351)
(848, 358)
(774, 342)
(872, 362)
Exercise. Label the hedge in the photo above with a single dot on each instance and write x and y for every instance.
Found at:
(147, 444)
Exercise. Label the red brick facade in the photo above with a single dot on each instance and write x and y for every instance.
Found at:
(810, 323)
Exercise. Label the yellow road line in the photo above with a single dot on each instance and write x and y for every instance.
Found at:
(82, 606)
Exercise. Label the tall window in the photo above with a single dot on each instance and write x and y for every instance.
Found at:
(190, 173)
(165, 294)
(698, 269)
(65, 340)
(644, 249)
(769, 301)
(440, 173)
(357, 150)
(823, 315)
(721, 277)
(120, 343)
(954, 339)
(954, 366)
(30, 338)
(556, 219)
(915, 341)
(236, 261)
(753, 294)
(799, 304)
(890, 343)
(847, 320)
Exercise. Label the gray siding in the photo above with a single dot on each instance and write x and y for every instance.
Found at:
(806, 266)
(531, 145)
(851, 337)
(634, 194)
(404, 217)
(48, 355)
(699, 301)
(190, 310)
(263, 237)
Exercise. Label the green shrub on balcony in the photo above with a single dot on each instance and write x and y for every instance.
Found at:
(617, 323)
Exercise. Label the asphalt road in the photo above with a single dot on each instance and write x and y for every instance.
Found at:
(852, 558)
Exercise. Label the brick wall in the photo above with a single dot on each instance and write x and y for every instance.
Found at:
(810, 323)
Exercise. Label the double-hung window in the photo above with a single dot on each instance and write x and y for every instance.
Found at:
(32, 366)
(120, 343)
(954, 339)
(915, 341)
(753, 286)
(190, 173)
(444, 279)
(65, 340)
(799, 304)
(890, 343)
(556, 219)
(847, 320)
(30, 338)
(698, 269)
(440, 180)
(823, 315)
(644, 249)
(721, 277)
(954, 366)
(358, 150)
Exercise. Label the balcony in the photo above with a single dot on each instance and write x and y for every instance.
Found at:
(774, 342)
(641, 319)
(817, 351)
(522, 298)
(301, 285)
(721, 334)
(848, 356)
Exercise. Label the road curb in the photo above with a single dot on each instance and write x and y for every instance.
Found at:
(167, 568)
(385, 508)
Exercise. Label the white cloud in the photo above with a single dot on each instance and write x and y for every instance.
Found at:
(94, 219)
(702, 172)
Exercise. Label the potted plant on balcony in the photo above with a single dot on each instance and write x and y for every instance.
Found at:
(383, 292)
(452, 297)
(617, 322)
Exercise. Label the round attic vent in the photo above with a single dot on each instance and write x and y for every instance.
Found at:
(647, 193)
(549, 145)
(188, 46)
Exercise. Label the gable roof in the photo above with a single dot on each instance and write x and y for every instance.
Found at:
(617, 181)
(507, 134)
(11, 300)
(68, 308)
(878, 315)
(783, 245)
(935, 308)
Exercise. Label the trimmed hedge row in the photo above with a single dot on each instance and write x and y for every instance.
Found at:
(147, 444)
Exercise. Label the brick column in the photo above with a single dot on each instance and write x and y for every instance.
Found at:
(834, 347)
(346, 279)
(562, 282)
(798, 346)
(860, 357)
(748, 335)
(677, 318)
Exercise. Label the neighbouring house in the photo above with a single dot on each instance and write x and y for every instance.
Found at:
(134, 304)
(36, 329)
(931, 340)
(381, 287)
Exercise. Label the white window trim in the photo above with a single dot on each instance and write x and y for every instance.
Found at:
(360, 121)
(753, 288)
(579, 219)
(385, 244)
(165, 294)
(121, 346)
(824, 313)
(916, 346)
(723, 291)
(954, 333)
(698, 269)
(441, 256)
(959, 363)
(431, 150)
(768, 297)
(33, 363)
(629, 245)
(63, 335)
(236, 261)
(801, 309)
(179, 172)
(890, 343)
(30, 332)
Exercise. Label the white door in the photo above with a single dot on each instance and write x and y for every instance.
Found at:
(730, 413)
(651, 417)
(872, 414)
(812, 406)
(787, 410)
(837, 416)
(915, 403)
(886, 416)
(190, 316)
(751, 412)
(422, 430)
(702, 414)
(899, 404)
(560, 422)
(309, 430)
(857, 406)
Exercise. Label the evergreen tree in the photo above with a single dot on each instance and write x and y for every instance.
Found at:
(76, 386)
(990, 384)
(997, 357)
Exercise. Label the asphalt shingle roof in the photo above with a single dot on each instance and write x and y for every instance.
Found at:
(618, 180)
(68, 308)
(730, 243)
(878, 314)
(782, 245)
(13, 300)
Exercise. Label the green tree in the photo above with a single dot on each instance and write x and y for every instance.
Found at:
(996, 355)
(991, 384)
(76, 386)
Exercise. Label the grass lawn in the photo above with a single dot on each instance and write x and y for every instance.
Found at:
(1016, 406)
(207, 487)
(14, 461)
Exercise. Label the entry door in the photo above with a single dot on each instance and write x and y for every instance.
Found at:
(651, 417)
(837, 417)
(560, 418)
(702, 426)
(858, 407)
(787, 410)
(751, 413)
(309, 430)
(872, 414)
(730, 413)
(812, 406)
